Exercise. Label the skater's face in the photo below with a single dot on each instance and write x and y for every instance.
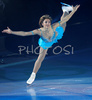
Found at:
(46, 23)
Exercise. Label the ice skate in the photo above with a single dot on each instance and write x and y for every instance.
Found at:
(66, 7)
(31, 79)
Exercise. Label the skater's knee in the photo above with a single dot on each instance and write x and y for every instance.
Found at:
(64, 25)
(39, 60)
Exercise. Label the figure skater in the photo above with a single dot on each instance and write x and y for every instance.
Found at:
(49, 34)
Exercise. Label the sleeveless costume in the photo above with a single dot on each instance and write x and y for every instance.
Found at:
(46, 43)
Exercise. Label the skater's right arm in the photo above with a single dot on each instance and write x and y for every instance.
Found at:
(22, 33)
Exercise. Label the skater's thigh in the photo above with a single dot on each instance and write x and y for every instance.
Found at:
(42, 54)
(64, 26)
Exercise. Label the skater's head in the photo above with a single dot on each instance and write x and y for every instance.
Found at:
(45, 21)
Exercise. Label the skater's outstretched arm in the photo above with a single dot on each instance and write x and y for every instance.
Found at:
(21, 33)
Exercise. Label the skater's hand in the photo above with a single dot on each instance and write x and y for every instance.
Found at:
(8, 30)
(76, 8)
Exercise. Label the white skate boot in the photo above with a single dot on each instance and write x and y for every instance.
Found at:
(31, 79)
(66, 7)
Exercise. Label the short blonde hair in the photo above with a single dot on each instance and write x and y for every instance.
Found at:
(43, 18)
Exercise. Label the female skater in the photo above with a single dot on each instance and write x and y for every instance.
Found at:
(49, 34)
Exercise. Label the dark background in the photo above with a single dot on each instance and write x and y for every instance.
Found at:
(23, 15)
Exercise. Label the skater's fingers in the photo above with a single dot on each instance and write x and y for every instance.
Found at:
(8, 27)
